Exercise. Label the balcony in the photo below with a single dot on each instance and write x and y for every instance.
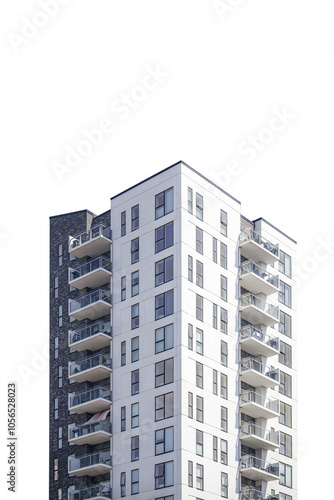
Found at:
(257, 311)
(256, 342)
(253, 372)
(94, 464)
(258, 470)
(254, 247)
(91, 337)
(100, 491)
(256, 405)
(90, 433)
(91, 401)
(92, 274)
(91, 243)
(258, 437)
(257, 280)
(90, 369)
(93, 305)
(251, 494)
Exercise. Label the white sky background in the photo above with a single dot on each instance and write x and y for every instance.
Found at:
(226, 75)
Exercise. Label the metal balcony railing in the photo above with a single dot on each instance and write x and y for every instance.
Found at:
(100, 457)
(250, 461)
(89, 299)
(255, 364)
(91, 362)
(102, 490)
(251, 267)
(250, 234)
(250, 331)
(251, 299)
(89, 331)
(86, 429)
(254, 397)
(261, 432)
(90, 395)
(86, 236)
(88, 267)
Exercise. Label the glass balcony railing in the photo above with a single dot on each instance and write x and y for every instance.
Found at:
(255, 364)
(88, 363)
(261, 432)
(100, 457)
(250, 331)
(89, 331)
(102, 490)
(90, 395)
(250, 461)
(250, 234)
(249, 299)
(89, 299)
(88, 267)
(90, 235)
(251, 267)
(86, 429)
(251, 494)
(254, 397)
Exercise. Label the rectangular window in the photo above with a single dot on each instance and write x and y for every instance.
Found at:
(215, 382)
(285, 447)
(224, 485)
(285, 354)
(190, 200)
(164, 475)
(223, 223)
(199, 307)
(164, 406)
(134, 349)
(56, 283)
(285, 417)
(190, 405)
(223, 385)
(223, 255)
(164, 237)
(56, 408)
(134, 283)
(56, 347)
(134, 218)
(134, 482)
(60, 255)
(199, 408)
(164, 338)
(285, 475)
(199, 443)
(164, 372)
(214, 250)
(190, 474)
(134, 250)
(164, 271)
(215, 316)
(60, 494)
(60, 376)
(134, 415)
(60, 315)
(123, 223)
(190, 336)
(223, 418)
(199, 273)
(134, 448)
(199, 240)
(60, 437)
(223, 288)
(123, 484)
(134, 382)
(123, 353)
(284, 263)
(199, 206)
(199, 477)
(55, 469)
(223, 353)
(190, 268)
(134, 316)
(223, 320)
(199, 375)
(285, 324)
(123, 418)
(199, 341)
(123, 288)
(285, 386)
(164, 203)
(215, 449)
(164, 440)
(284, 294)
(223, 451)
(164, 304)
(282, 496)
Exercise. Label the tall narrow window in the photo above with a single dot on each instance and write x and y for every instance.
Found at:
(134, 316)
(134, 349)
(134, 382)
(164, 406)
(223, 385)
(60, 494)
(284, 264)
(123, 288)
(199, 443)
(199, 477)
(60, 376)
(123, 353)
(285, 324)
(223, 223)
(199, 408)
(284, 294)
(164, 440)
(123, 484)
(60, 315)
(56, 408)
(199, 240)
(134, 250)
(164, 372)
(215, 316)
(190, 405)
(223, 320)
(223, 255)
(123, 418)
(123, 223)
(55, 469)
(223, 451)
(285, 386)
(215, 449)
(285, 417)
(285, 475)
(56, 347)
(224, 484)
(190, 336)
(285, 354)
(190, 200)
(190, 268)
(214, 250)
(199, 375)
(164, 203)
(199, 341)
(164, 475)
(164, 270)
(134, 283)
(223, 353)
(223, 418)
(134, 218)
(60, 437)
(60, 255)
(56, 283)
(199, 273)
(215, 382)
(285, 444)
(223, 288)
(164, 338)
(164, 237)
(134, 481)
(199, 206)
(190, 474)
(199, 307)
(134, 448)
(164, 304)
(134, 415)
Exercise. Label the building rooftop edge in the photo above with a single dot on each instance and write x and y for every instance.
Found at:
(276, 228)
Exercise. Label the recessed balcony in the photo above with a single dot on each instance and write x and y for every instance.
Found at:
(256, 405)
(90, 369)
(253, 372)
(258, 470)
(94, 464)
(256, 279)
(91, 401)
(258, 437)
(93, 305)
(92, 274)
(100, 491)
(251, 494)
(90, 433)
(257, 311)
(256, 342)
(91, 243)
(254, 247)
(91, 337)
